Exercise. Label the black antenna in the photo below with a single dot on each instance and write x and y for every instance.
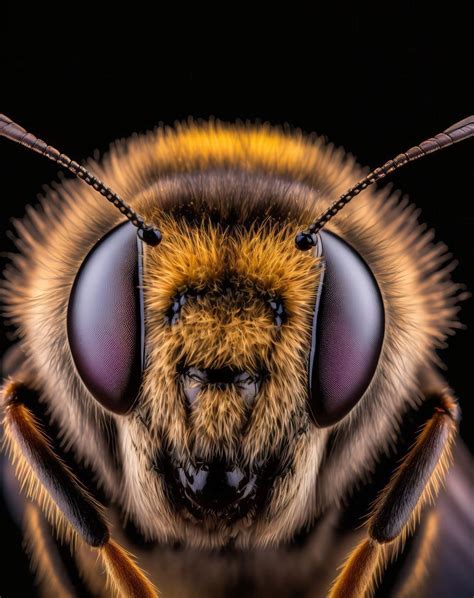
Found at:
(464, 129)
(9, 129)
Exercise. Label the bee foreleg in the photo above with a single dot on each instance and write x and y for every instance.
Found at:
(66, 503)
(397, 509)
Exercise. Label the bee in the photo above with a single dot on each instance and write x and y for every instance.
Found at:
(211, 396)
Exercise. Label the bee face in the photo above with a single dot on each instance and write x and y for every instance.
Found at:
(202, 344)
(226, 313)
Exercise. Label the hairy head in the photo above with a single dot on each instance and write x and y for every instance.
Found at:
(219, 444)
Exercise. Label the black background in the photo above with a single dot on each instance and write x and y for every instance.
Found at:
(374, 84)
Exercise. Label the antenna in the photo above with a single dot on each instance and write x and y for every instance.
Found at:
(460, 131)
(9, 129)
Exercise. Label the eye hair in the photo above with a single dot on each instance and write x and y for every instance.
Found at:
(460, 131)
(11, 130)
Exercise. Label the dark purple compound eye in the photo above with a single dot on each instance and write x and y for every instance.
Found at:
(347, 334)
(105, 319)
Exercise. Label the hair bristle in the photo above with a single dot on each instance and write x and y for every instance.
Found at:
(360, 571)
(439, 430)
(29, 483)
(48, 472)
(124, 576)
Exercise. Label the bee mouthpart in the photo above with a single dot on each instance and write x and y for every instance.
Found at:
(215, 486)
(219, 490)
(216, 490)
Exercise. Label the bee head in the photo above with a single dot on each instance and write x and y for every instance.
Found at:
(208, 337)
(207, 345)
(216, 350)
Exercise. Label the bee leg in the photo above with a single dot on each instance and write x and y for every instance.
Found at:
(397, 509)
(66, 503)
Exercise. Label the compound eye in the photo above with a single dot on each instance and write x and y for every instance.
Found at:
(347, 335)
(105, 323)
